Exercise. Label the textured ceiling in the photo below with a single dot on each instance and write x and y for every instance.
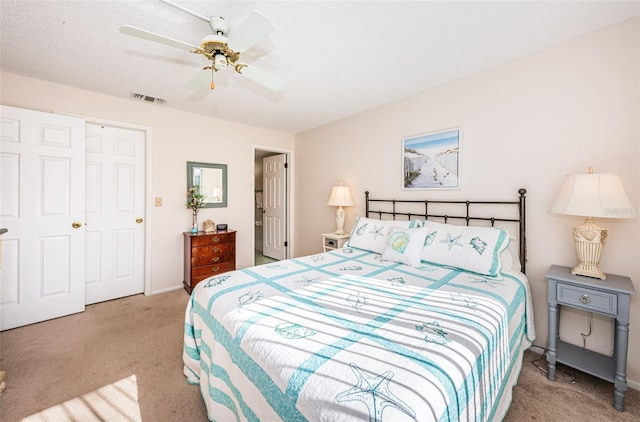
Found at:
(338, 58)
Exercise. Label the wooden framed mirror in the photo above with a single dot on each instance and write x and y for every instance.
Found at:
(212, 179)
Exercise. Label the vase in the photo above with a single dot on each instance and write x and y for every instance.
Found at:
(194, 225)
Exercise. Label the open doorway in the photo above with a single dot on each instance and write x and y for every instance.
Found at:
(271, 205)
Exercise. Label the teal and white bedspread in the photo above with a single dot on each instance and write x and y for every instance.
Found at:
(344, 336)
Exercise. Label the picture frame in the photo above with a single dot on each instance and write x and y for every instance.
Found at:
(432, 161)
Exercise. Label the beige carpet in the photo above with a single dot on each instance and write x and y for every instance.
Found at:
(136, 343)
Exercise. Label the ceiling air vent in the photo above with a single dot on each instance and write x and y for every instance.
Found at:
(147, 98)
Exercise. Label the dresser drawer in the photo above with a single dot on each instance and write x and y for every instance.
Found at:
(212, 254)
(213, 239)
(200, 273)
(588, 299)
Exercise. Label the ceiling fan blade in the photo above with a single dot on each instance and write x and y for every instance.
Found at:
(150, 36)
(263, 78)
(200, 80)
(186, 10)
(253, 29)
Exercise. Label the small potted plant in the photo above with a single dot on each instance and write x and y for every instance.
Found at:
(195, 201)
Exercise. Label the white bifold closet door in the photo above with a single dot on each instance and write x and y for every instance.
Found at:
(115, 174)
(42, 205)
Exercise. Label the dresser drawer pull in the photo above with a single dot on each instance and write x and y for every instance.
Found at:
(585, 299)
(216, 249)
(216, 239)
(216, 259)
(216, 269)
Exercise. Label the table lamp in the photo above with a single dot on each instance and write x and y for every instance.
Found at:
(340, 197)
(592, 195)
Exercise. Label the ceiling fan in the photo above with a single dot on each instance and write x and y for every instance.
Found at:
(221, 48)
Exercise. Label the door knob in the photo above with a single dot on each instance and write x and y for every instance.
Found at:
(76, 224)
(139, 220)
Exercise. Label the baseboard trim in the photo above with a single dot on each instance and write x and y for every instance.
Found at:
(634, 384)
(167, 289)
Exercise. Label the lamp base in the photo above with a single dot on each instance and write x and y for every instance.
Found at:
(588, 271)
(340, 221)
(590, 239)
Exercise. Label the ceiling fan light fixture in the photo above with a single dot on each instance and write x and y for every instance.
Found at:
(219, 61)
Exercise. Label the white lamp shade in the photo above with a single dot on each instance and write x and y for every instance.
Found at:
(340, 197)
(593, 195)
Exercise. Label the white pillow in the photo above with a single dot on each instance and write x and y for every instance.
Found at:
(511, 256)
(404, 245)
(371, 235)
(469, 248)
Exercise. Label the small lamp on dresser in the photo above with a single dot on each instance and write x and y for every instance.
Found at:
(592, 195)
(340, 197)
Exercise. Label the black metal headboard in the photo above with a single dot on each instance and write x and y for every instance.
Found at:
(427, 212)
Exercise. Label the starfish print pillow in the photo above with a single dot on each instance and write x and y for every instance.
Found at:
(469, 248)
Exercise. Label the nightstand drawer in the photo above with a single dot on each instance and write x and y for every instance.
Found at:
(588, 299)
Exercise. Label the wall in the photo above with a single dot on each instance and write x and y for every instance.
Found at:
(526, 123)
(177, 137)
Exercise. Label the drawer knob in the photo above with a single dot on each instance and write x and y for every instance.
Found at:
(216, 258)
(585, 299)
(216, 269)
(216, 239)
(216, 249)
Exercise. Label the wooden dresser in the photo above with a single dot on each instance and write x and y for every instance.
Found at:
(207, 254)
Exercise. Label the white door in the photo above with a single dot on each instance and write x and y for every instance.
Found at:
(41, 200)
(114, 265)
(275, 206)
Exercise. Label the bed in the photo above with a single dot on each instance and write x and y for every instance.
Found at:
(417, 318)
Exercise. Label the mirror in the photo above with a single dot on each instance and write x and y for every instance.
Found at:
(212, 179)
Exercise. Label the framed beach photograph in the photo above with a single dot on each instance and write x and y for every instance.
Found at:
(432, 161)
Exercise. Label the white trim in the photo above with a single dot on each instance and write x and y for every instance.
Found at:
(290, 197)
(168, 289)
(148, 185)
(634, 384)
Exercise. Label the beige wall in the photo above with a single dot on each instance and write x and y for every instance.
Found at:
(526, 123)
(177, 137)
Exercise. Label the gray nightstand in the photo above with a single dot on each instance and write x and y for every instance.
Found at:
(332, 241)
(609, 297)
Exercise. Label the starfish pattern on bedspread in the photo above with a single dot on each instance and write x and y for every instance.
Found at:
(487, 281)
(375, 393)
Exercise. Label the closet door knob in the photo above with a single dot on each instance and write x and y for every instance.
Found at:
(76, 224)
(139, 220)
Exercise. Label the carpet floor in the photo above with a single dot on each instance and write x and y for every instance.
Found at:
(140, 338)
